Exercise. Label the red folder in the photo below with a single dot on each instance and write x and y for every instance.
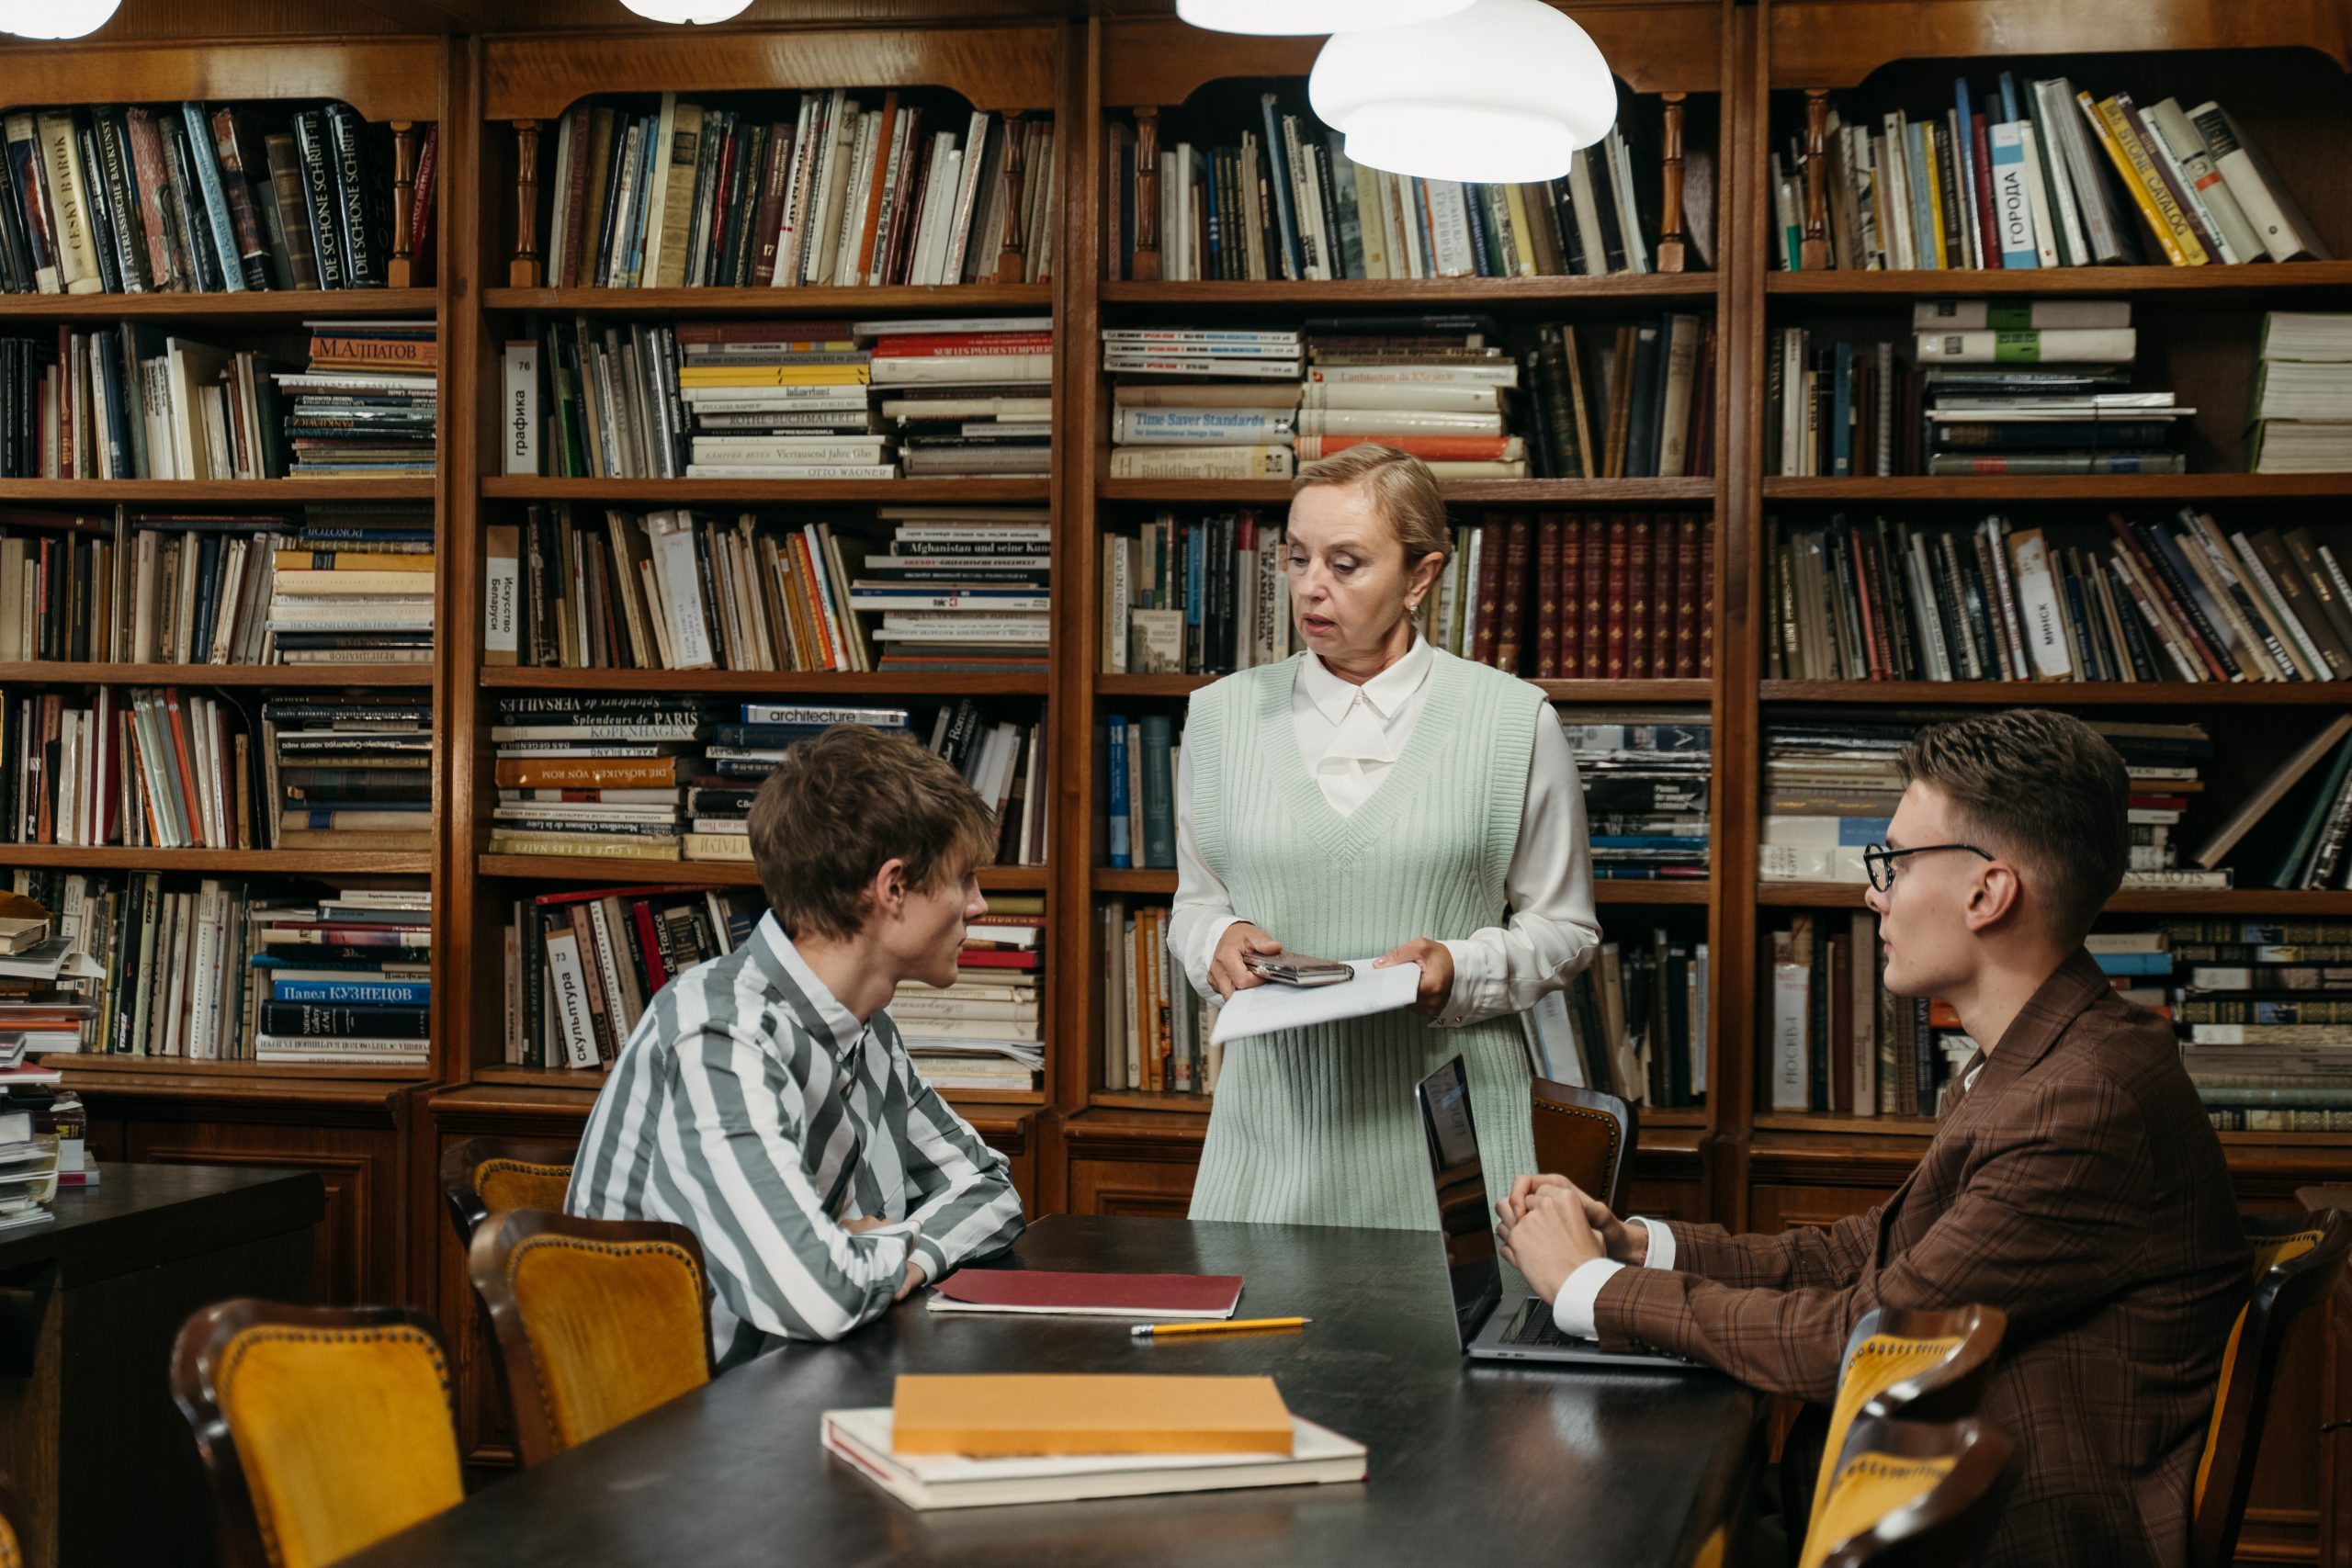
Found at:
(1145, 1297)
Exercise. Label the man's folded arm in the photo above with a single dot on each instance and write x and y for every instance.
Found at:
(2045, 1224)
(776, 1258)
(1807, 1256)
(959, 1187)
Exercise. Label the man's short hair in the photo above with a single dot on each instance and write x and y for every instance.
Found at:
(2045, 789)
(844, 803)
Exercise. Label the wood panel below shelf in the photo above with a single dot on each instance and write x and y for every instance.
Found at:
(2130, 900)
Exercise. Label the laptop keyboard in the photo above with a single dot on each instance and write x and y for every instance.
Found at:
(1534, 1326)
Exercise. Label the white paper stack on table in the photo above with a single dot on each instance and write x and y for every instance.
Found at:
(28, 1171)
(1262, 1009)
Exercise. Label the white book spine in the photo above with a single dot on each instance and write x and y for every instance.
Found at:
(519, 416)
(568, 987)
(2045, 228)
(1792, 992)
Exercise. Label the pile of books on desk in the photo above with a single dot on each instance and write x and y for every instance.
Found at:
(1646, 782)
(2264, 1009)
(28, 1165)
(582, 966)
(349, 773)
(960, 588)
(594, 775)
(985, 1031)
(44, 1005)
(2302, 394)
(970, 397)
(345, 978)
(1831, 788)
(367, 403)
(1201, 404)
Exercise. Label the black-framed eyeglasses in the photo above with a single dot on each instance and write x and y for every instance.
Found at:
(1879, 861)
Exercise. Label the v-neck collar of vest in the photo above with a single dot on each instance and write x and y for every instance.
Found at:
(1342, 837)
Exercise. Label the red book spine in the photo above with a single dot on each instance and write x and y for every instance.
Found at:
(1490, 582)
(1689, 607)
(1618, 609)
(1429, 448)
(1547, 597)
(1666, 538)
(1511, 626)
(1841, 1023)
(767, 218)
(649, 943)
(420, 214)
(1570, 656)
(1864, 591)
(2163, 590)
(1707, 598)
(1596, 598)
(575, 203)
(1987, 225)
(722, 192)
(949, 346)
(1641, 568)
(989, 958)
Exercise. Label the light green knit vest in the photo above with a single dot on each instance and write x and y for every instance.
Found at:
(1318, 1126)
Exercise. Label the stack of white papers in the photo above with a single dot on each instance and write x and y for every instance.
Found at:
(1262, 1009)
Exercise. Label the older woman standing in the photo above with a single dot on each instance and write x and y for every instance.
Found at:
(1372, 795)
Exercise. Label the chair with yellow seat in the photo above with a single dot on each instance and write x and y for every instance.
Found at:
(1909, 1494)
(1911, 1364)
(12, 1534)
(592, 1322)
(484, 1177)
(322, 1429)
(2296, 1262)
(1585, 1135)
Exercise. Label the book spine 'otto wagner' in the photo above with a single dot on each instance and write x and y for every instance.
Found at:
(319, 200)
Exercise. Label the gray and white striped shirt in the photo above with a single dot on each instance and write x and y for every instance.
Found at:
(751, 1107)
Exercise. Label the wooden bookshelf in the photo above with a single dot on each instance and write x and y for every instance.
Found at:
(66, 672)
(2069, 693)
(1463, 492)
(774, 492)
(264, 306)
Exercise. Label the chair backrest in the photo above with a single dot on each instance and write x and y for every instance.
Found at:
(322, 1429)
(12, 1533)
(1586, 1136)
(1923, 1366)
(483, 1178)
(1909, 1494)
(592, 1322)
(2296, 1262)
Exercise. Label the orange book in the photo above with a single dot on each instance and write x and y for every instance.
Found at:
(593, 772)
(989, 1415)
(188, 796)
(876, 191)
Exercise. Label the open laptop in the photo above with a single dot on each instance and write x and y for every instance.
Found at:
(1491, 1326)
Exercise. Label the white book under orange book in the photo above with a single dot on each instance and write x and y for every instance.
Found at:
(862, 1439)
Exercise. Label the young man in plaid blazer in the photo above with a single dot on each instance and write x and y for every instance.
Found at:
(2074, 1180)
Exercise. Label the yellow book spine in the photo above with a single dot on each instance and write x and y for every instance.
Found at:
(1934, 195)
(587, 845)
(776, 376)
(342, 560)
(1522, 233)
(2096, 114)
(2152, 180)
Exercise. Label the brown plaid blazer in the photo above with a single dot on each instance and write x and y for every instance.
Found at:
(2077, 1186)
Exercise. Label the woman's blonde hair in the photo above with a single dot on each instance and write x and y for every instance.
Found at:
(1403, 492)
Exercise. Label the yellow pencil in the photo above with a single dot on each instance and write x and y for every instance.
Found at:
(1234, 1326)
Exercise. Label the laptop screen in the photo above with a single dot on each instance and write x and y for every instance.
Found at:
(1465, 1223)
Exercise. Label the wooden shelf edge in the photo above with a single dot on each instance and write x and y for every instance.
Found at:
(2064, 487)
(1035, 492)
(2130, 900)
(1121, 684)
(752, 682)
(965, 299)
(230, 1071)
(2119, 694)
(63, 672)
(1177, 1113)
(246, 305)
(1454, 292)
(277, 863)
(698, 873)
(1491, 493)
(1963, 283)
(257, 492)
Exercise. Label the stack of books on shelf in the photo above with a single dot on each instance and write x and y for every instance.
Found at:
(1831, 789)
(345, 978)
(44, 977)
(746, 751)
(349, 773)
(2177, 600)
(1195, 596)
(1839, 1040)
(134, 402)
(1560, 596)
(368, 402)
(774, 193)
(1202, 403)
(2038, 387)
(192, 197)
(595, 775)
(1632, 1023)
(356, 587)
(1648, 396)
(582, 966)
(2264, 1009)
(1282, 199)
(961, 588)
(762, 399)
(2292, 828)
(1155, 1028)
(967, 397)
(1645, 783)
(1141, 758)
(29, 1165)
(2302, 394)
(984, 1031)
(2040, 173)
(1441, 373)
(143, 767)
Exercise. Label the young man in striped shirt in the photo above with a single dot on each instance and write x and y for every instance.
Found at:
(764, 1099)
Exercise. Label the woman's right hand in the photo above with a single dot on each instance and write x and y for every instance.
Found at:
(1230, 969)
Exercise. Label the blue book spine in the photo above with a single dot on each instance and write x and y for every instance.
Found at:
(1420, 191)
(1842, 414)
(1278, 171)
(2012, 206)
(1122, 856)
(1964, 148)
(1212, 242)
(764, 735)
(216, 200)
(1695, 843)
(1474, 202)
(375, 993)
(2009, 98)
(1923, 209)
(2133, 963)
(1159, 793)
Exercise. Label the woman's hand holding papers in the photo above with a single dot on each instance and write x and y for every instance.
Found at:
(1437, 971)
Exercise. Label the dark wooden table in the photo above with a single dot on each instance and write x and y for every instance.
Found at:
(1484, 1465)
(101, 1459)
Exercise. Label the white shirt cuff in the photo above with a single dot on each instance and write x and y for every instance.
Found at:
(1573, 1310)
(1204, 954)
(1661, 1252)
(1470, 978)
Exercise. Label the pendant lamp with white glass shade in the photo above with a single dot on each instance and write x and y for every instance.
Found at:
(55, 18)
(688, 10)
(1501, 93)
(1271, 17)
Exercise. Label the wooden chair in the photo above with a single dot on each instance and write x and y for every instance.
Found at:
(484, 1177)
(1916, 1365)
(592, 1322)
(2296, 1263)
(322, 1429)
(12, 1534)
(1586, 1136)
(1909, 1494)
